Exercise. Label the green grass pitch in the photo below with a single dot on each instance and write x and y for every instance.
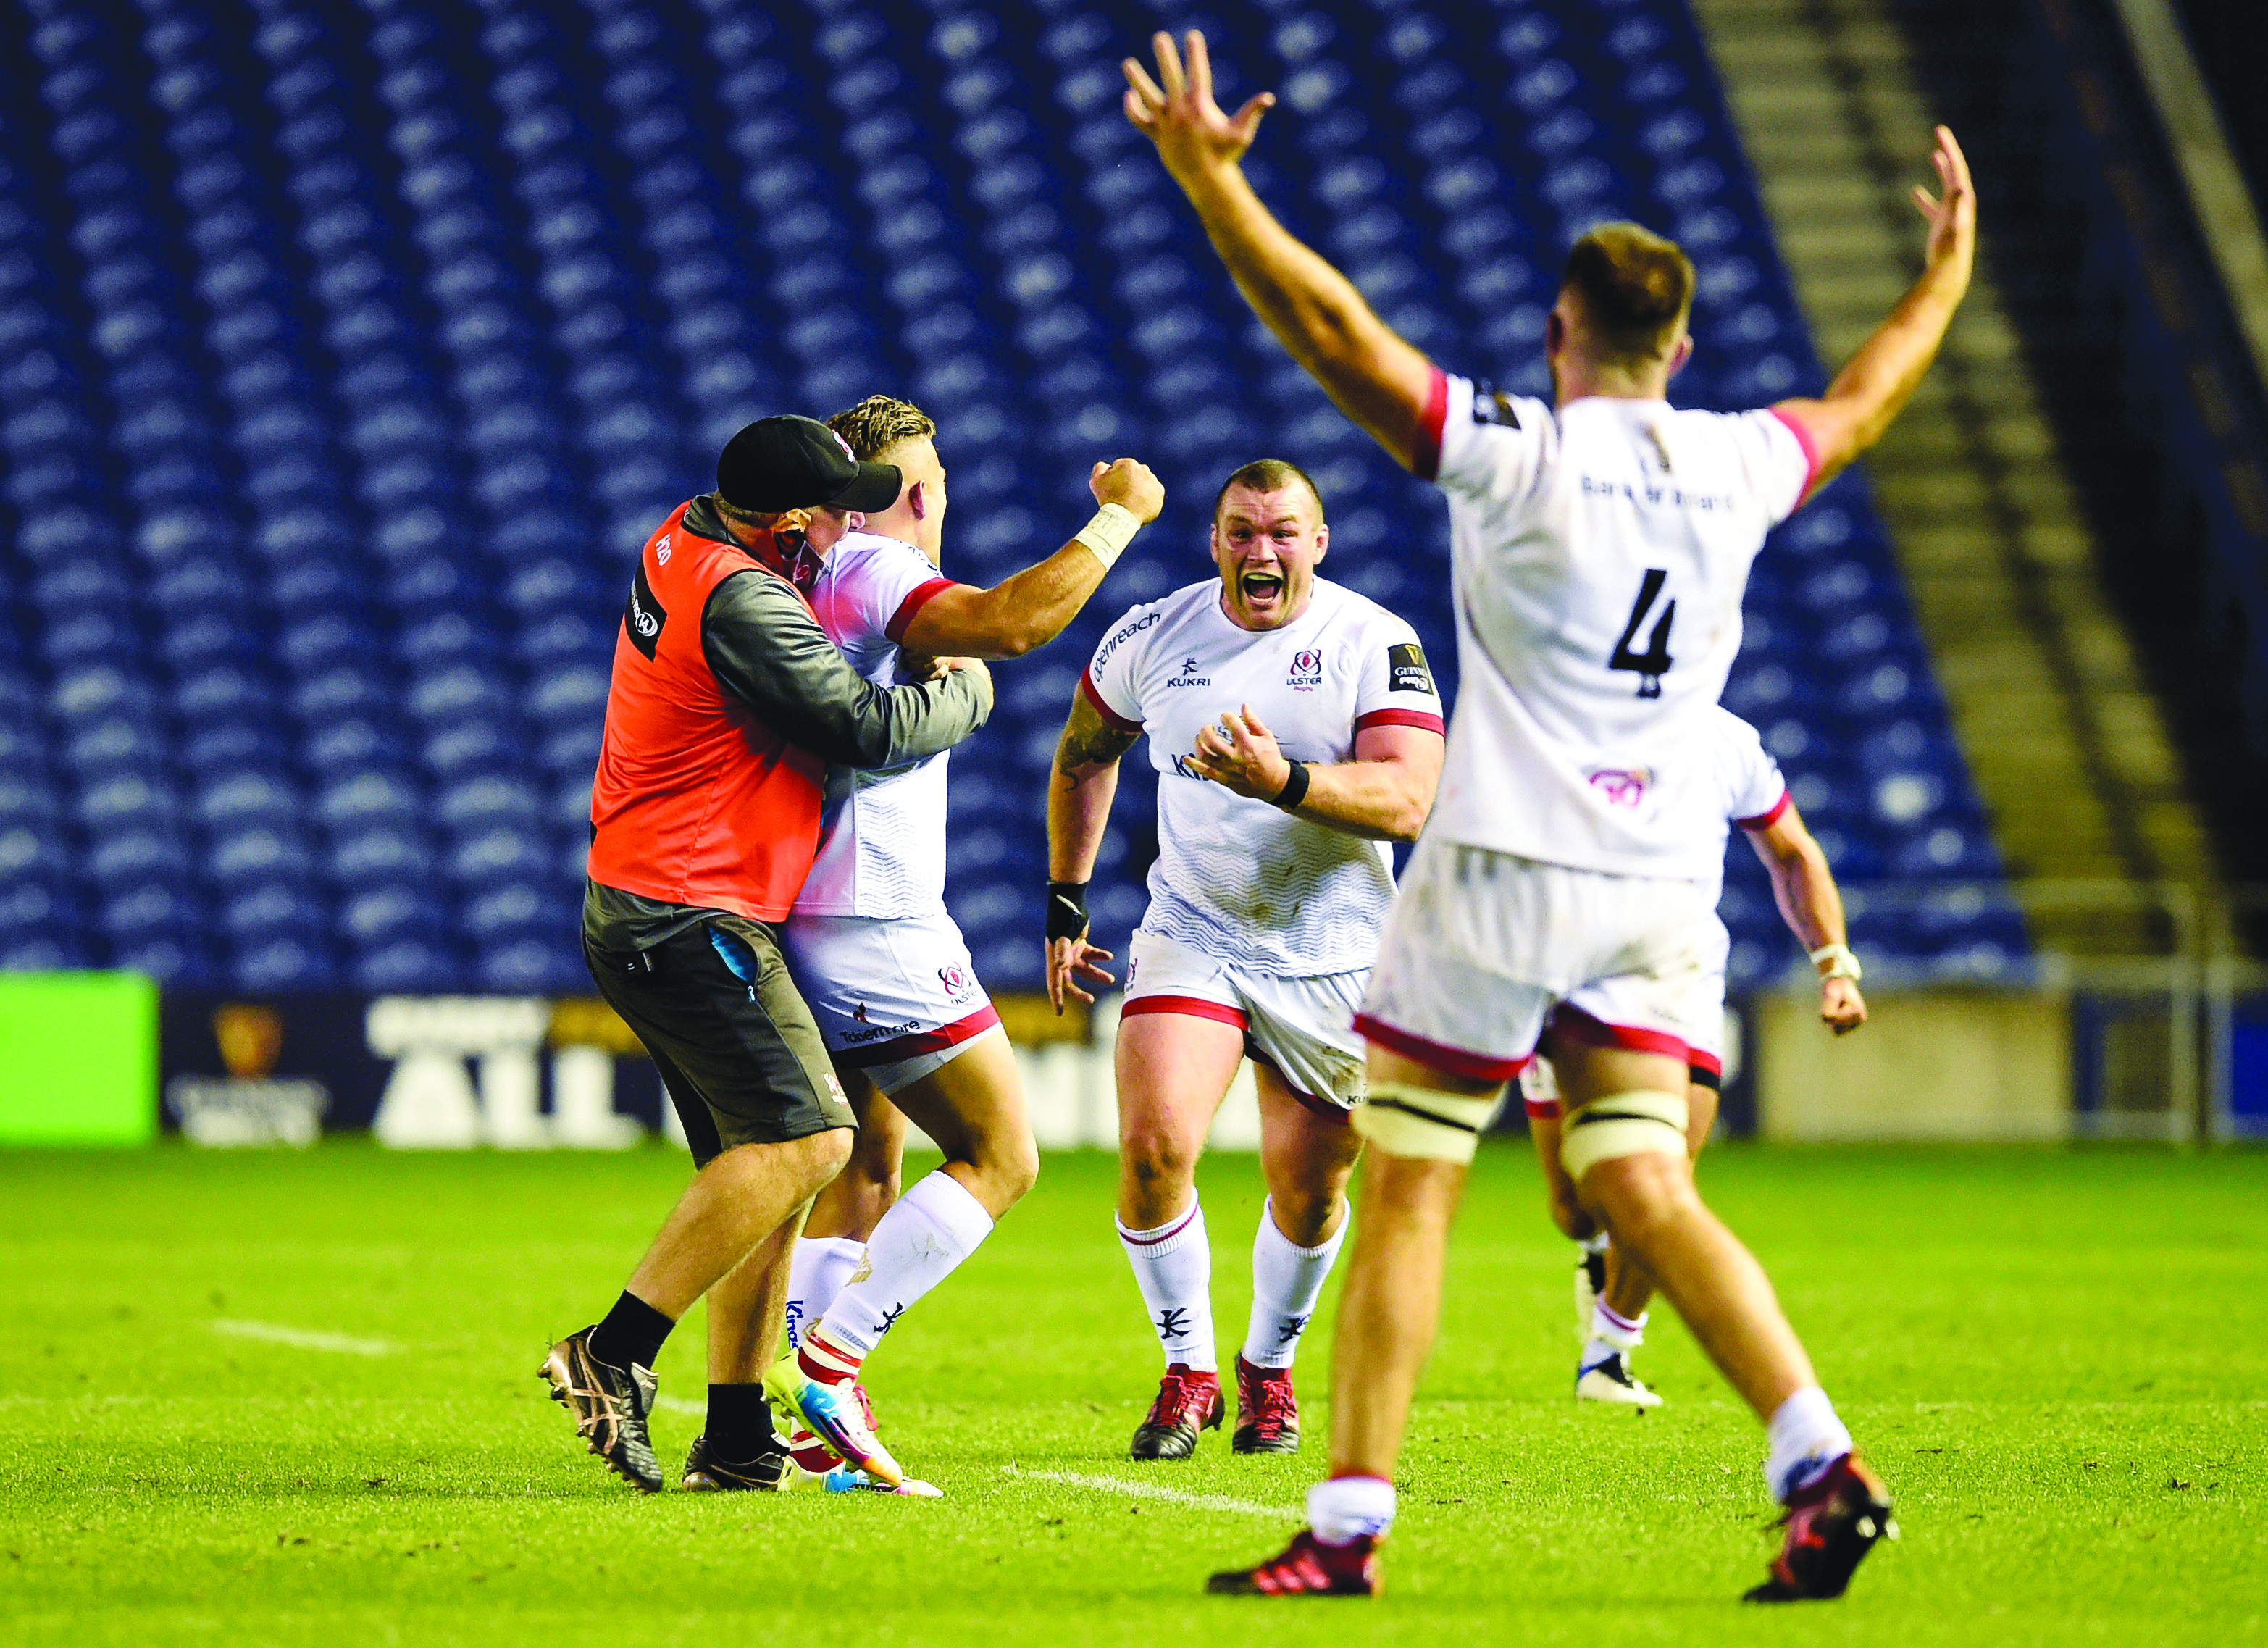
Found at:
(2059, 1360)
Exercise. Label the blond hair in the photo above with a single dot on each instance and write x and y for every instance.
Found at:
(878, 423)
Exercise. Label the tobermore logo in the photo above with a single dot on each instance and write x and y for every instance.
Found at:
(644, 617)
(1189, 677)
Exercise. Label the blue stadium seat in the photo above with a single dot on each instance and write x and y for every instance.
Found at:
(332, 464)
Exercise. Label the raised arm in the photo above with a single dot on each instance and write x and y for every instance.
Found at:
(767, 649)
(1876, 384)
(1383, 794)
(1379, 380)
(1080, 789)
(1809, 902)
(1031, 609)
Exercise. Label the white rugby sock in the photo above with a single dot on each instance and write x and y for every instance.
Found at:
(1597, 1244)
(1612, 1334)
(1286, 1281)
(1342, 1509)
(1806, 1439)
(1173, 1266)
(816, 1272)
(927, 1233)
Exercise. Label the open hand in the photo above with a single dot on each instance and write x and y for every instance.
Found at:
(1177, 112)
(1841, 1008)
(1129, 483)
(1242, 755)
(1952, 212)
(1069, 961)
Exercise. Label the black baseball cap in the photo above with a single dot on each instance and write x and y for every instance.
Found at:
(777, 464)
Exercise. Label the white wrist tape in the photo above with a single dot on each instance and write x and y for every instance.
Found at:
(1108, 533)
(1846, 965)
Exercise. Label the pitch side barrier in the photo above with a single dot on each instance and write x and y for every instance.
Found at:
(2142, 1017)
(2145, 1018)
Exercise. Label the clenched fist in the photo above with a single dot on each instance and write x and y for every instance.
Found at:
(1129, 484)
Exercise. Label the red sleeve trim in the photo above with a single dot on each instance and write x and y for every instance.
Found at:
(1094, 697)
(1810, 455)
(1195, 1006)
(919, 597)
(1424, 719)
(1765, 820)
(1701, 1061)
(1429, 425)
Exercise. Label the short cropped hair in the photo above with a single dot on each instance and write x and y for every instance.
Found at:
(878, 423)
(1270, 474)
(1635, 288)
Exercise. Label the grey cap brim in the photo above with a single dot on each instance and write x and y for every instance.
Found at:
(871, 490)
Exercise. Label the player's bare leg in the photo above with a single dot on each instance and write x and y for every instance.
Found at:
(1613, 1288)
(739, 1200)
(1173, 1070)
(1390, 1310)
(855, 1199)
(973, 1107)
(1640, 1185)
(845, 1213)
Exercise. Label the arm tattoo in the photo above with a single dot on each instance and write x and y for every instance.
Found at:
(1088, 742)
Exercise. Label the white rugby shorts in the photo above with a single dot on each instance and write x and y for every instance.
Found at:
(1304, 1027)
(896, 996)
(1484, 949)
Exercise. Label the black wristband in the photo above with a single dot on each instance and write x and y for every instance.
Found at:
(1066, 910)
(1295, 787)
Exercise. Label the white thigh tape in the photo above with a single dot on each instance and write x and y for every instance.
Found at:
(1622, 1124)
(1405, 1120)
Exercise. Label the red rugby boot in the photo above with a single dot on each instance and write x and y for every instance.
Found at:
(1188, 1401)
(1307, 1567)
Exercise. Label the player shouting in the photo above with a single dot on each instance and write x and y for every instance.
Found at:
(1295, 731)
(1599, 546)
(871, 948)
(1611, 1294)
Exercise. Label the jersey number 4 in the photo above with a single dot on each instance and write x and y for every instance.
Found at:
(1652, 664)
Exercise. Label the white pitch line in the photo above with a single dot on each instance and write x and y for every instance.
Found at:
(1151, 1490)
(306, 1339)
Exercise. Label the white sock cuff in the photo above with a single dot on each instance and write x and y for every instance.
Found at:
(1323, 1250)
(1342, 1509)
(1593, 1244)
(948, 1204)
(1806, 1438)
(1184, 1229)
(1616, 1329)
(836, 1247)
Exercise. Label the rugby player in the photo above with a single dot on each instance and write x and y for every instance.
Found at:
(1295, 731)
(726, 703)
(870, 943)
(1611, 1295)
(1599, 546)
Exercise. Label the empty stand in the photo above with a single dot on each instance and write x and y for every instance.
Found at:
(348, 353)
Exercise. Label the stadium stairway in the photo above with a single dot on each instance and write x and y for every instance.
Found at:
(2063, 737)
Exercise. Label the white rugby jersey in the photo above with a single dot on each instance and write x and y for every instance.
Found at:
(881, 834)
(1599, 555)
(1748, 791)
(1238, 879)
